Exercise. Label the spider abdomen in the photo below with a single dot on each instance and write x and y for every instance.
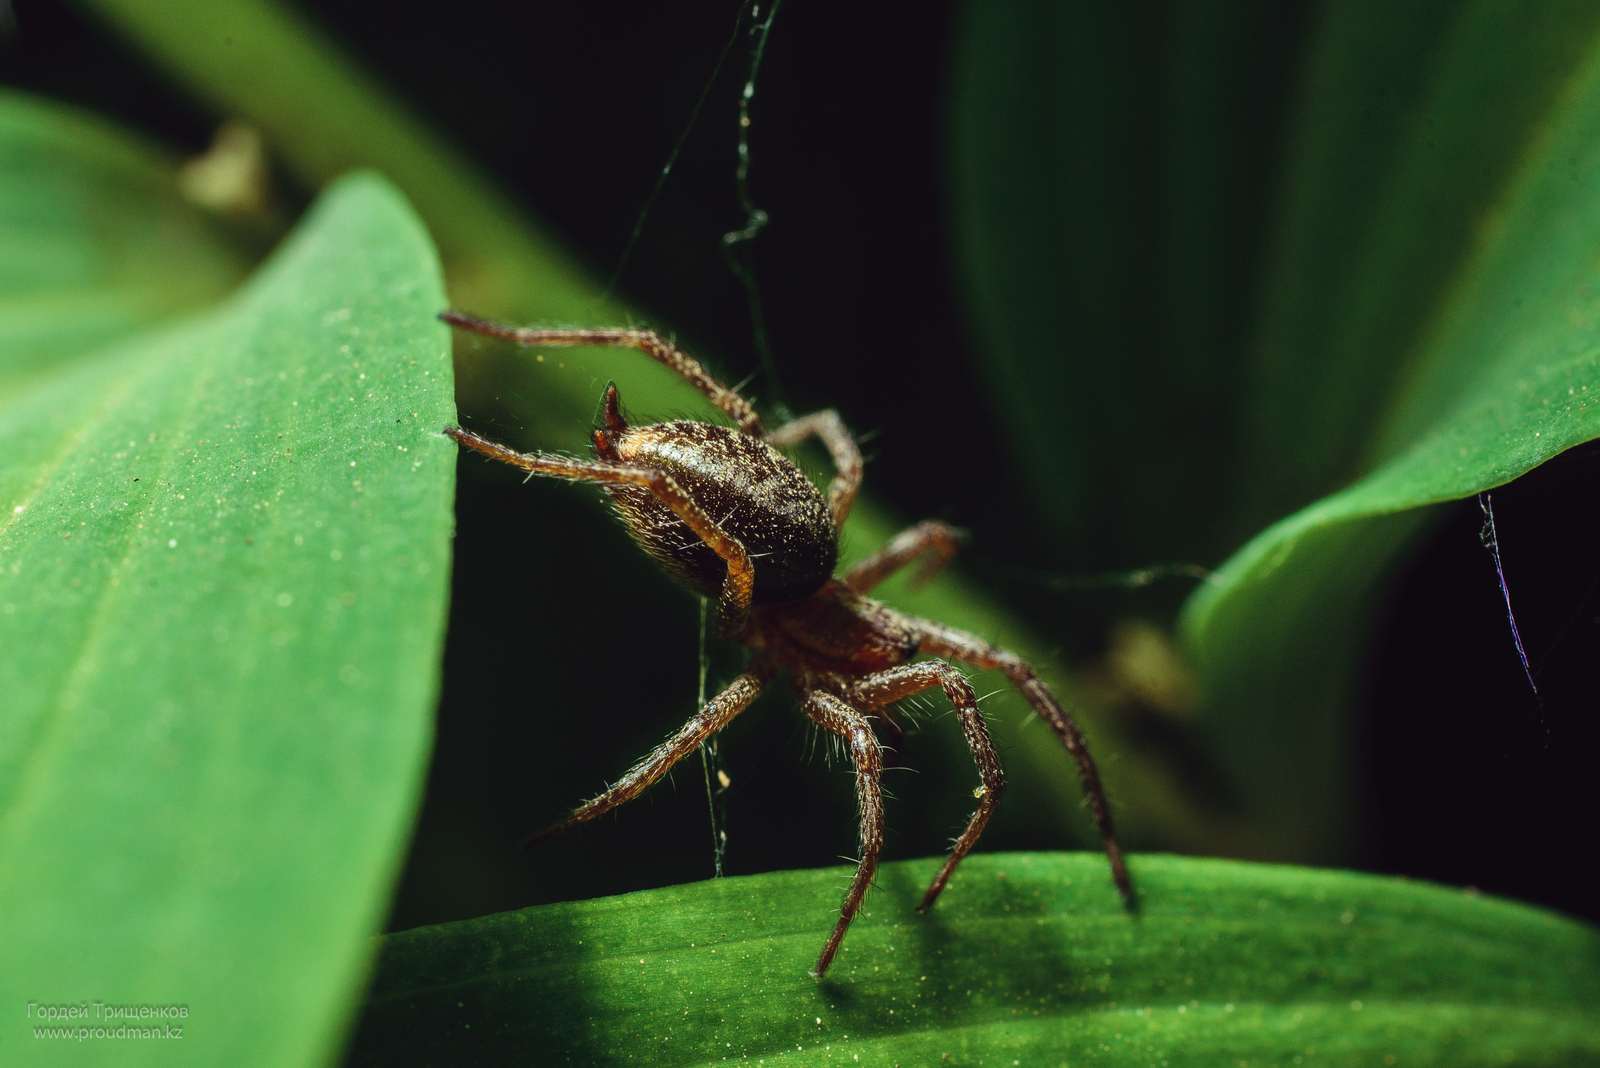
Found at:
(749, 489)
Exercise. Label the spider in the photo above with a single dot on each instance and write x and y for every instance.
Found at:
(730, 517)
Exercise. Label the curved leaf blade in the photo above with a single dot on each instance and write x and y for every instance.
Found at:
(1147, 422)
(1502, 382)
(1028, 957)
(1417, 127)
(223, 574)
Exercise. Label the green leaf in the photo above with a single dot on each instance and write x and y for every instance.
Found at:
(1028, 958)
(1504, 374)
(223, 572)
(1108, 165)
(97, 241)
(1418, 129)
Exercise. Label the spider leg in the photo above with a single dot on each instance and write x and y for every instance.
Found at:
(648, 342)
(931, 539)
(940, 640)
(835, 716)
(841, 446)
(717, 714)
(891, 724)
(875, 691)
(733, 606)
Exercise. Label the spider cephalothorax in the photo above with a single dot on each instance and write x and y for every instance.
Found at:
(729, 516)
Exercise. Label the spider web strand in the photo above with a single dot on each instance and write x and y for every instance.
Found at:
(1491, 542)
(711, 761)
(672, 159)
(755, 219)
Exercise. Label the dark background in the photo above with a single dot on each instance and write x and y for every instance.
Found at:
(1467, 779)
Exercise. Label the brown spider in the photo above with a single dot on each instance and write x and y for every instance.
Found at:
(730, 517)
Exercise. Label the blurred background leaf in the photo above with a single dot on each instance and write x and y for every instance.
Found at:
(1496, 379)
(98, 241)
(223, 574)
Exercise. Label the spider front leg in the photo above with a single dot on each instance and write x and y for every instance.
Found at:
(733, 605)
(930, 539)
(838, 718)
(717, 714)
(876, 691)
(648, 342)
(940, 640)
(841, 446)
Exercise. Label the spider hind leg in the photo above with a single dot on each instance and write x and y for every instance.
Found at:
(838, 718)
(940, 640)
(877, 691)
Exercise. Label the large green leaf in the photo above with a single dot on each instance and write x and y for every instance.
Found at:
(1109, 206)
(1027, 959)
(223, 570)
(1499, 379)
(97, 240)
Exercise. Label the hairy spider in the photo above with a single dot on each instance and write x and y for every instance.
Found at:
(730, 517)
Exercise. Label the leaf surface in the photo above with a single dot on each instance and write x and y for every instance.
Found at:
(1027, 958)
(223, 570)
